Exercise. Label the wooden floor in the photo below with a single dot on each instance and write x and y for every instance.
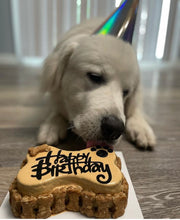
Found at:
(155, 174)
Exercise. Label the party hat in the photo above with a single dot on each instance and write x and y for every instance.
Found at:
(121, 22)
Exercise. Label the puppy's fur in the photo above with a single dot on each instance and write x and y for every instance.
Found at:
(75, 98)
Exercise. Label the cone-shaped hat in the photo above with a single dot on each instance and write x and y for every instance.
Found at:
(121, 22)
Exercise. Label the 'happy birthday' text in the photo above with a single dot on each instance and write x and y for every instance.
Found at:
(70, 164)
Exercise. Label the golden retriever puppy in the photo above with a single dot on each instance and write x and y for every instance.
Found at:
(94, 85)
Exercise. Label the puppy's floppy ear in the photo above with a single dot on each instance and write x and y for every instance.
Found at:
(55, 65)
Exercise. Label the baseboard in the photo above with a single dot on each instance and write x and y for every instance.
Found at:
(11, 59)
(8, 59)
(32, 61)
(157, 65)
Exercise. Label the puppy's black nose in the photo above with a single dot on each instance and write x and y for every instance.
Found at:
(111, 127)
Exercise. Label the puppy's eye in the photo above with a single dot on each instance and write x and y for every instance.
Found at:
(125, 92)
(96, 78)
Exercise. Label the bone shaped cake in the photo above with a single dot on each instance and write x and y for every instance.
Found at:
(52, 180)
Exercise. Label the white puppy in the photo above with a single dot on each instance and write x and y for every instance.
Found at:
(94, 83)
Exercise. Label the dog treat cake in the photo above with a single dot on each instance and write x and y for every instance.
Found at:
(51, 180)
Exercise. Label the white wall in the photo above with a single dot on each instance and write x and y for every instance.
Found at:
(6, 35)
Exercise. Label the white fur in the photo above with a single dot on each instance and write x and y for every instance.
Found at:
(75, 98)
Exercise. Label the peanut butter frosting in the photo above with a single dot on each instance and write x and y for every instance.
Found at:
(46, 167)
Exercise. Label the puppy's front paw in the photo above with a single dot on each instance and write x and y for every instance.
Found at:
(48, 133)
(52, 130)
(139, 132)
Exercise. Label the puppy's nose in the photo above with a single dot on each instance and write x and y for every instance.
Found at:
(111, 127)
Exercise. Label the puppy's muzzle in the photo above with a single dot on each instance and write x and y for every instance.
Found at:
(111, 127)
